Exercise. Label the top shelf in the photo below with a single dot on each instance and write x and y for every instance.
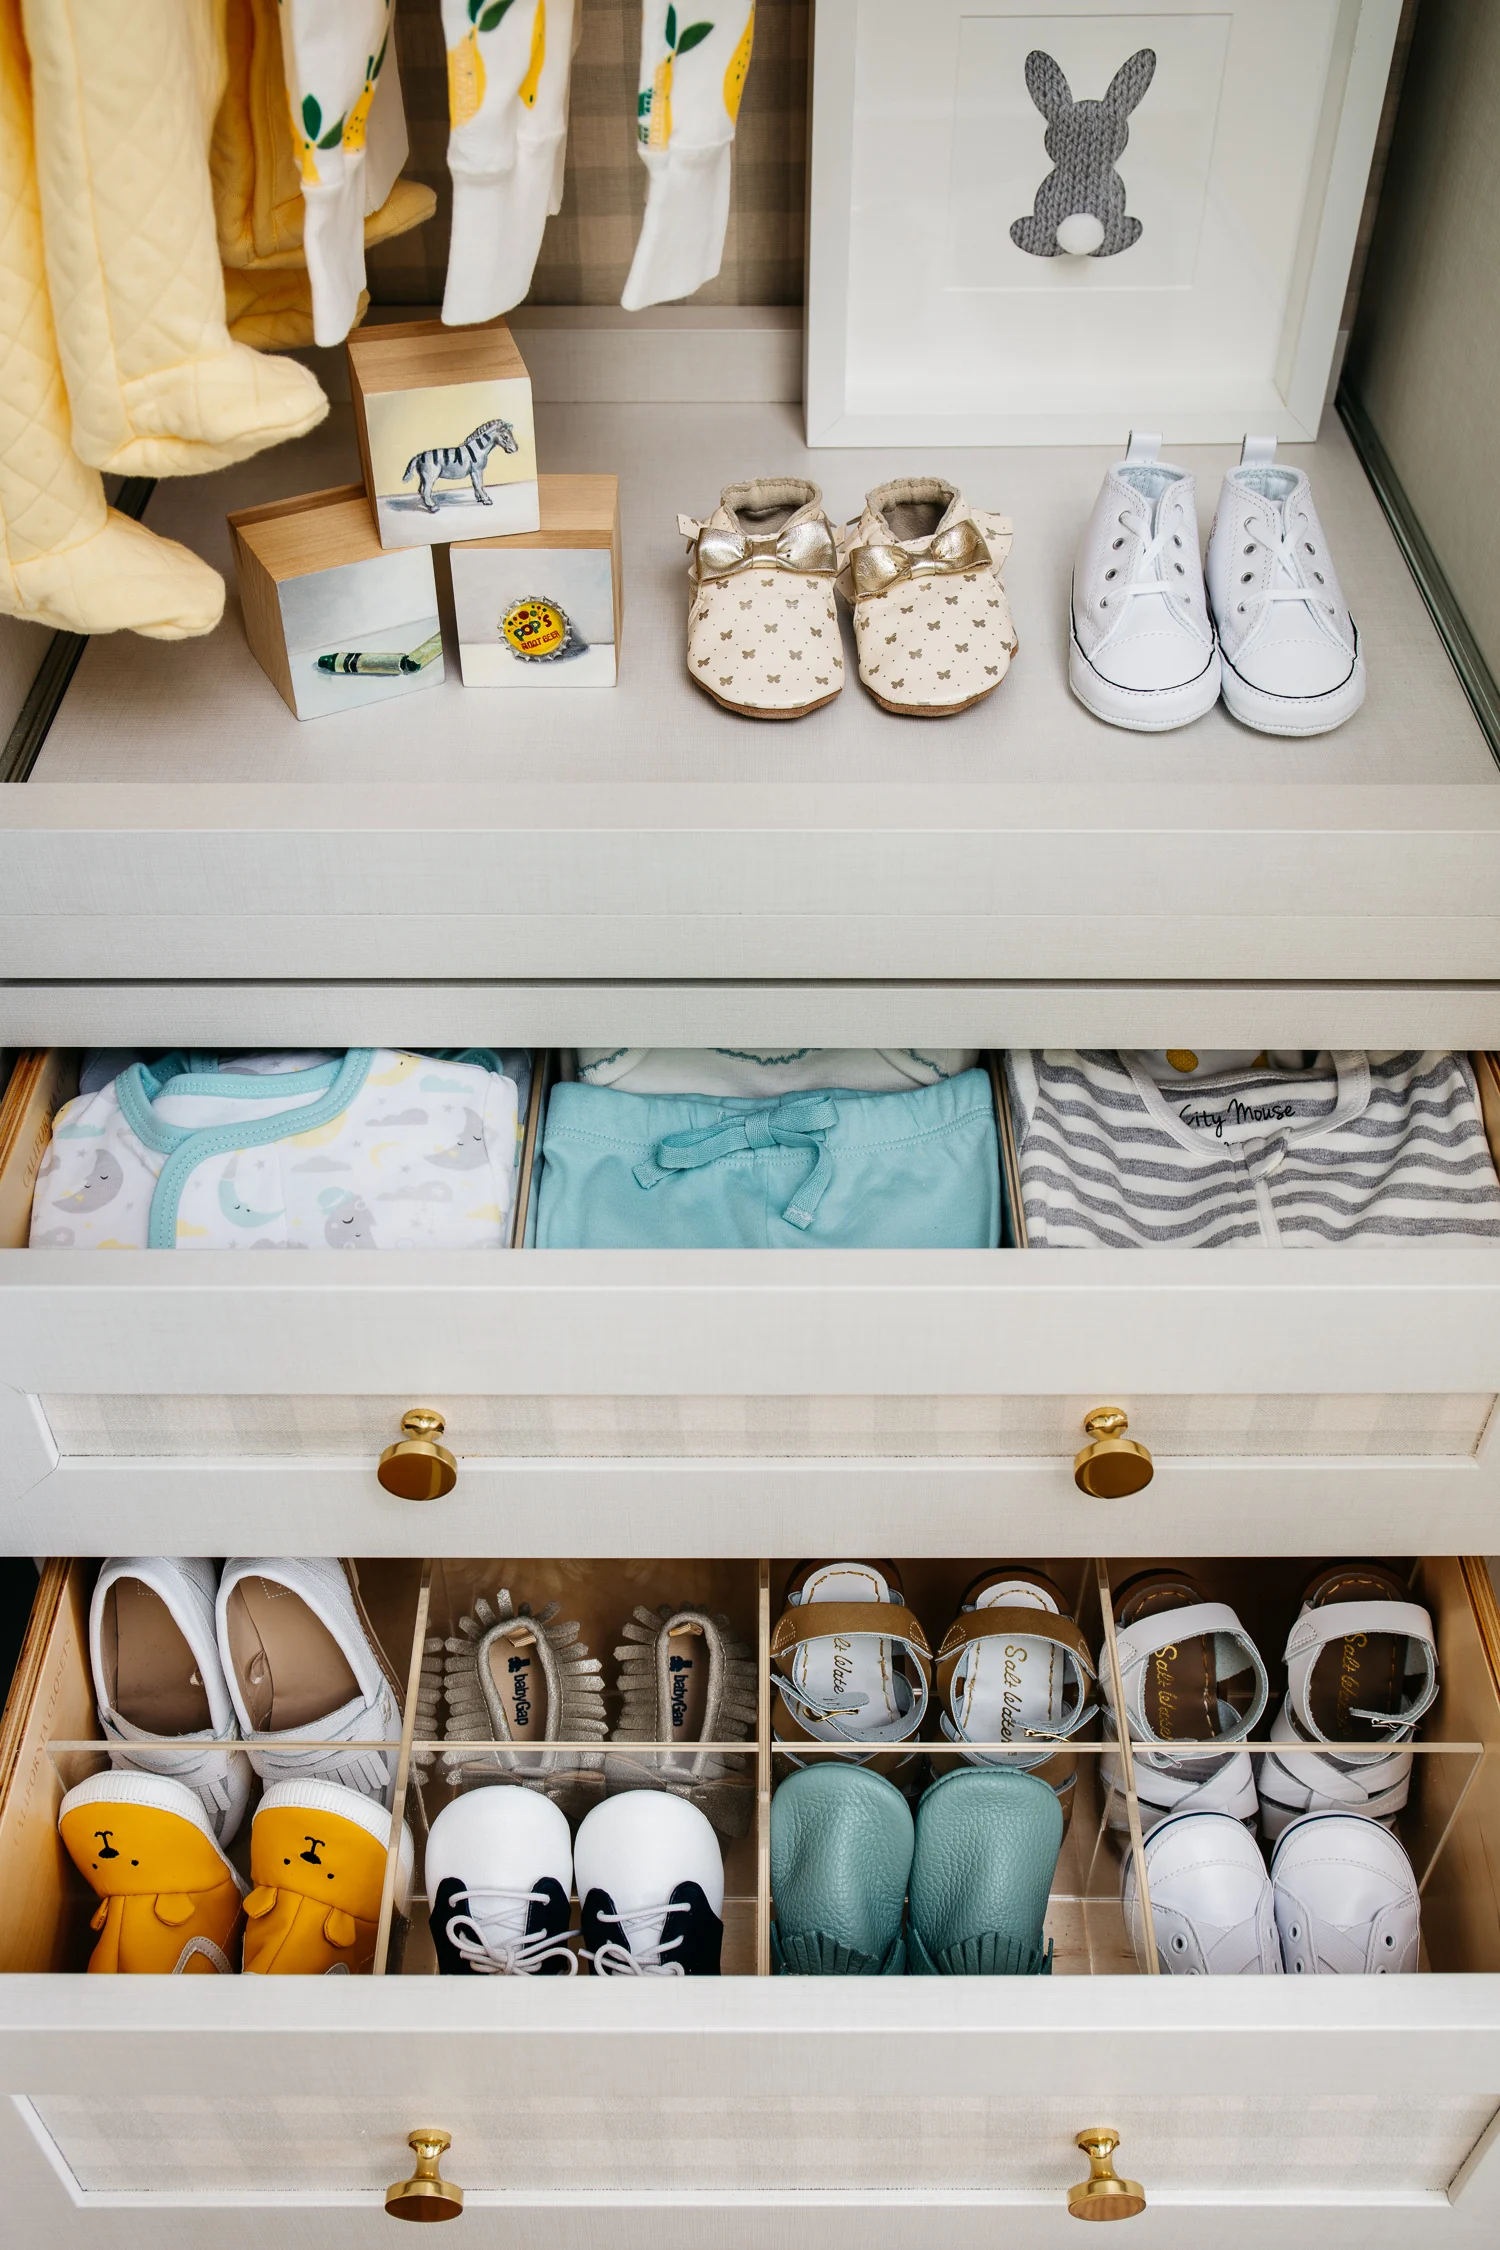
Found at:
(179, 814)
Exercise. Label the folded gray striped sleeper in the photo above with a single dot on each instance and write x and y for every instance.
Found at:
(1357, 1148)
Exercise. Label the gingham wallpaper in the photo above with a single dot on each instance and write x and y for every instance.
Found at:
(587, 249)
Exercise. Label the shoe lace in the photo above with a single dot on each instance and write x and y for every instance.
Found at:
(615, 1958)
(1286, 567)
(507, 1956)
(1149, 574)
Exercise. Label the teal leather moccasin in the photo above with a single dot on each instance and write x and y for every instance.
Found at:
(841, 1851)
(986, 1850)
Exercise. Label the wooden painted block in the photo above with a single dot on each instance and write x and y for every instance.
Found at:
(443, 417)
(334, 620)
(544, 609)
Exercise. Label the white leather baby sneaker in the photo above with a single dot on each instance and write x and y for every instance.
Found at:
(1346, 1899)
(922, 571)
(1210, 1900)
(763, 632)
(1141, 652)
(1290, 649)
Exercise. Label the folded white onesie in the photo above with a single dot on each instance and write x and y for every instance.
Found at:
(368, 1150)
(1356, 1148)
(770, 1070)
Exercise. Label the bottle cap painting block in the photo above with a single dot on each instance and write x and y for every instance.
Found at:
(443, 417)
(544, 608)
(333, 619)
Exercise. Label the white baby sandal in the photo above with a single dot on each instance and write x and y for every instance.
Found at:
(921, 571)
(763, 631)
(1290, 649)
(1142, 652)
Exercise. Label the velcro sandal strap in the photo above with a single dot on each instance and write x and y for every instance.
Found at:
(1316, 1629)
(1234, 1652)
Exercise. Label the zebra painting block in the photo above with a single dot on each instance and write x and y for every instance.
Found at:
(444, 421)
(334, 620)
(544, 609)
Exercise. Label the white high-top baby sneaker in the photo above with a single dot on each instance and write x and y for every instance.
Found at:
(921, 570)
(1290, 649)
(1347, 1902)
(1142, 652)
(763, 632)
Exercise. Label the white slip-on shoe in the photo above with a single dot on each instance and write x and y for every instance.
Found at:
(1361, 1674)
(1210, 1899)
(499, 1885)
(651, 1882)
(158, 1680)
(302, 1667)
(1346, 1899)
(1190, 1672)
(1289, 648)
(1141, 651)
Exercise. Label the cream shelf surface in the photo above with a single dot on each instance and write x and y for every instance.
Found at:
(182, 829)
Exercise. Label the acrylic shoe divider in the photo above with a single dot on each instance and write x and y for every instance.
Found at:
(48, 1740)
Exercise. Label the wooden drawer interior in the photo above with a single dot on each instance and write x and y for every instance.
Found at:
(1451, 1826)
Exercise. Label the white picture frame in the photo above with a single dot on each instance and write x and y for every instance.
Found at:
(1246, 168)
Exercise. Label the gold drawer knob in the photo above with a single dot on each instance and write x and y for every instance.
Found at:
(416, 1467)
(1103, 2195)
(1112, 1465)
(426, 2195)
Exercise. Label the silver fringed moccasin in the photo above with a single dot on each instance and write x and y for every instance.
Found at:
(516, 1679)
(685, 1678)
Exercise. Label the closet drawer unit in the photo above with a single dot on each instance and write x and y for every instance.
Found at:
(648, 2109)
(801, 1400)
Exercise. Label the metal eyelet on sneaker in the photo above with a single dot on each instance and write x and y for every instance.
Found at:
(1118, 543)
(1246, 576)
(1109, 574)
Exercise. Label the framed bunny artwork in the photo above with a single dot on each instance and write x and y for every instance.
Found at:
(1037, 224)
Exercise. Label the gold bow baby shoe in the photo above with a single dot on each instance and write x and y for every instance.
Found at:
(763, 630)
(921, 570)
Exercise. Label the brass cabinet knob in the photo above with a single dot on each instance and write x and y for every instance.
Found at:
(426, 2195)
(1103, 2195)
(1111, 1465)
(416, 1467)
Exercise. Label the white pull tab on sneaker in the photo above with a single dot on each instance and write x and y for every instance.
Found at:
(1142, 652)
(1291, 656)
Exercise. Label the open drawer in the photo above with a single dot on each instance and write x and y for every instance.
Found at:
(835, 2103)
(725, 1400)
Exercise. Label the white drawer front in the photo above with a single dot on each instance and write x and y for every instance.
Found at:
(824, 1397)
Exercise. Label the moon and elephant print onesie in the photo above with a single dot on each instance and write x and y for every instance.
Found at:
(370, 1149)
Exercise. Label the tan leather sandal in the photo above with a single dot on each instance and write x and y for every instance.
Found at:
(1015, 1667)
(850, 1663)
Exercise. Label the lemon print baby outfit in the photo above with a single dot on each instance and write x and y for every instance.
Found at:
(169, 1900)
(317, 1856)
(369, 1150)
(508, 67)
(694, 58)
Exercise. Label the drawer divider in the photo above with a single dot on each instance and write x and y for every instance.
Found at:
(403, 1771)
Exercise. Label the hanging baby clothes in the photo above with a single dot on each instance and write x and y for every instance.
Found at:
(694, 61)
(66, 559)
(256, 163)
(508, 68)
(124, 102)
(349, 145)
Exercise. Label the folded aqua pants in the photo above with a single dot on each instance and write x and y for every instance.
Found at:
(836, 1171)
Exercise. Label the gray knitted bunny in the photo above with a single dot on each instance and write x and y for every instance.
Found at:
(1083, 139)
